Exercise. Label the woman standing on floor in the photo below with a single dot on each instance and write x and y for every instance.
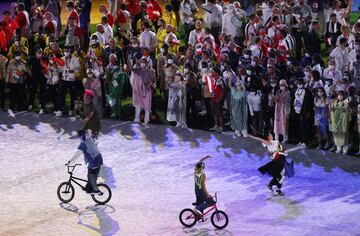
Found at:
(176, 110)
(238, 108)
(282, 111)
(340, 117)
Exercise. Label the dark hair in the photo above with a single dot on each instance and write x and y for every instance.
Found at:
(316, 75)
(6, 12)
(123, 7)
(168, 7)
(200, 165)
(146, 24)
(343, 41)
(104, 19)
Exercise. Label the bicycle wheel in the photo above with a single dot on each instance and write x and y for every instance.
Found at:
(104, 196)
(65, 192)
(187, 218)
(219, 219)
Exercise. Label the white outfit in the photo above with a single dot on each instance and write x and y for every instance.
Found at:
(148, 39)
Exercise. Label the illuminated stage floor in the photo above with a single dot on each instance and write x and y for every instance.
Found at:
(150, 171)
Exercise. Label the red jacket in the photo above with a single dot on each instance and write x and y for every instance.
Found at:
(133, 7)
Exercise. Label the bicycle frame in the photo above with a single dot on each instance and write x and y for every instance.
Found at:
(211, 208)
(73, 178)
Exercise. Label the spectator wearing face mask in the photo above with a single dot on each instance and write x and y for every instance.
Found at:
(341, 55)
(313, 41)
(142, 80)
(169, 71)
(340, 121)
(345, 29)
(333, 31)
(356, 74)
(331, 72)
(16, 75)
(303, 112)
(19, 48)
(282, 111)
(321, 118)
(238, 108)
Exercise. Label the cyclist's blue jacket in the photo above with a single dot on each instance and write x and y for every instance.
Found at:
(92, 155)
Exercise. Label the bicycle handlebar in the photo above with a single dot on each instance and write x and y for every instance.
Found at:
(67, 164)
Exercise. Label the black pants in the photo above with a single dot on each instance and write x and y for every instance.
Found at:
(268, 116)
(66, 86)
(52, 94)
(17, 95)
(190, 106)
(300, 40)
(257, 123)
(31, 86)
(215, 31)
(275, 181)
(92, 177)
(2, 94)
(188, 28)
(79, 90)
(301, 128)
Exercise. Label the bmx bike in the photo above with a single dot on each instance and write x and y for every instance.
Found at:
(66, 190)
(219, 219)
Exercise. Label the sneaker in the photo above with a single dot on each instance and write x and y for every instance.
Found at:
(278, 191)
(346, 150)
(318, 147)
(70, 113)
(220, 130)
(237, 132)
(30, 107)
(327, 146)
(269, 187)
(333, 149)
(178, 125)
(339, 150)
(95, 192)
(112, 115)
(41, 111)
(303, 145)
(215, 128)
(11, 113)
(58, 114)
(227, 123)
(137, 120)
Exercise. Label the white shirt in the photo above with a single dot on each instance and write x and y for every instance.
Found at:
(341, 58)
(148, 39)
(101, 38)
(108, 33)
(350, 38)
(254, 101)
(71, 64)
(186, 10)
(213, 15)
(194, 37)
(334, 74)
(231, 24)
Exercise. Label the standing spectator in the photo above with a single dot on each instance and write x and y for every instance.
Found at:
(3, 61)
(70, 7)
(250, 31)
(23, 20)
(142, 81)
(123, 25)
(232, 23)
(303, 107)
(50, 25)
(52, 75)
(341, 56)
(108, 32)
(115, 80)
(321, 107)
(238, 108)
(345, 29)
(331, 72)
(313, 41)
(282, 111)
(196, 34)
(74, 35)
(217, 91)
(176, 110)
(9, 26)
(333, 31)
(16, 75)
(192, 91)
(84, 18)
(213, 18)
(68, 80)
(169, 16)
(109, 16)
(92, 82)
(161, 33)
(340, 121)
(53, 7)
(112, 48)
(148, 40)
(37, 80)
(99, 35)
(188, 10)
(254, 101)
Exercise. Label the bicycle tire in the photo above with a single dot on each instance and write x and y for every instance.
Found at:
(192, 216)
(96, 197)
(71, 191)
(217, 215)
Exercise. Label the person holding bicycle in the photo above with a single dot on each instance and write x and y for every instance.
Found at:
(93, 160)
(203, 198)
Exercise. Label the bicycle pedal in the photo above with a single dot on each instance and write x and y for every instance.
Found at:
(202, 220)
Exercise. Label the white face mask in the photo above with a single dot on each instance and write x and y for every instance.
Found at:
(222, 67)
(186, 70)
(17, 58)
(320, 94)
(162, 50)
(90, 76)
(331, 67)
(282, 87)
(253, 63)
(273, 85)
(307, 73)
(246, 56)
(67, 54)
(143, 65)
(248, 72)
(300, 86)
(170, 61)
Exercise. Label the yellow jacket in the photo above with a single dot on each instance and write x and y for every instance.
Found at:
(160, 36)
(170, 19)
